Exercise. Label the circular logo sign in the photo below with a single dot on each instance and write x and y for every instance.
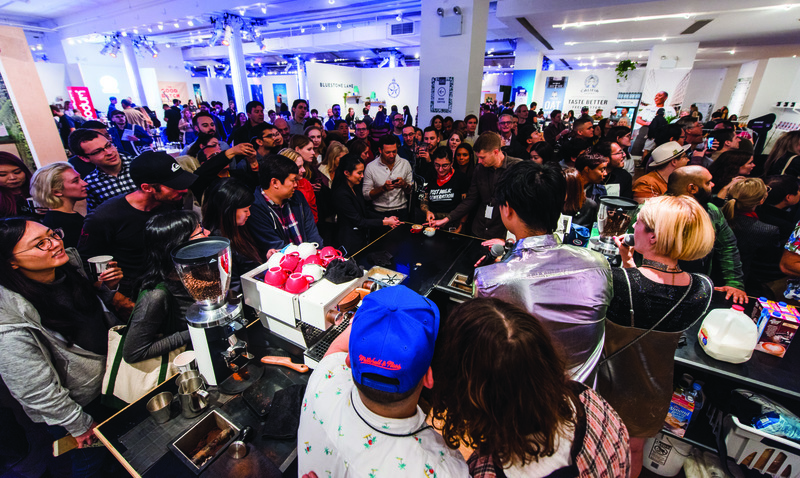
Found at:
(591, 81)
(394, 89)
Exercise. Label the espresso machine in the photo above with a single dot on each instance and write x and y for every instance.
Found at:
(204, 266)
(613, 219)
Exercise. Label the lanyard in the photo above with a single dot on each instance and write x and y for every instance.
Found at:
(384, 432)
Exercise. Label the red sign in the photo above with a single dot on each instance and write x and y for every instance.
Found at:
(82, 101)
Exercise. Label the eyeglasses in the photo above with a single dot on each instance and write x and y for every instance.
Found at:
(203, 232)
(47, 243)
(506, 123)
(441, 166)
(107, 147)
(620, 153)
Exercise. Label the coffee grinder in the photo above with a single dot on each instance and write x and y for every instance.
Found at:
(613, 218)
(204, 266)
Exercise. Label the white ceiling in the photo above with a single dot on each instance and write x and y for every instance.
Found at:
(752, 28)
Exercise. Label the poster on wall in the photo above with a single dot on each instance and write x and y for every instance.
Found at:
(738, 96)
(442, 94)
(12, 138)
(198, 94)
(630, 101)
(173, 91)
(522, 85)
(662, 89)
(82, 101)
(278, 94)
(257, 92)
(555, 90)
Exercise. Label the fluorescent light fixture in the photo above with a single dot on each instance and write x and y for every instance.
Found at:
(619, 40)
(682, 15)
(177, 24)
(160, 26)
(149, 30)
(135, 31)
(124, 33)
(190, 22)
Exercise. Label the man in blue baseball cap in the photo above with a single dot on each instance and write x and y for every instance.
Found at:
(360, 415)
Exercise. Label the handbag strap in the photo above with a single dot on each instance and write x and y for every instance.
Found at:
(630, 297)
(783, 171)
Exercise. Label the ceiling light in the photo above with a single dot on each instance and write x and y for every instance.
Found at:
(322, 27)
(264, 9)
(331, 2)
(124, 33)
(618, 55)
(168, 45)
(70, 41)
(620, 40)
(302, 29)
(190, 22)
(313, 60)
(592, 57)
(177, 24)
(228, 35)
(39, 47)
(160, 26)
(149, 30)
(362, 58)
(732, 52)
(399, 17)
(416, 55)
(241, 11)
(682, 15)
(339, 25)
(135, 31)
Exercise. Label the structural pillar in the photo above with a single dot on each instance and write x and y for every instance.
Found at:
(238, 66)
(132, 67)
(527, 65)
(459, 56)
(302, 77)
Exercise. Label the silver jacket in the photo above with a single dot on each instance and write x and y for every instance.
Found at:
(568, 288)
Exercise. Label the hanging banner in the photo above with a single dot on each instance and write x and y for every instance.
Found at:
(82, 101)
(12, 138)
(173, 91)
(555, 90)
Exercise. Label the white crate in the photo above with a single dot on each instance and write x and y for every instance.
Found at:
(766, 453)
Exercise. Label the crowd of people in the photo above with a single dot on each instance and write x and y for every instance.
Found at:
(265, 180)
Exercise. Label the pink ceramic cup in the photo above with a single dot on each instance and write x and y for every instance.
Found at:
(329, 251)
(275, 276)
(298, 283)
(315, 259)
(289, 261)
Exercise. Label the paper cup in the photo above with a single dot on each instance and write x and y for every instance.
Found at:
(98, 265)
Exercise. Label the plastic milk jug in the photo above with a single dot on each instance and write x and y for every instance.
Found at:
(728, 335)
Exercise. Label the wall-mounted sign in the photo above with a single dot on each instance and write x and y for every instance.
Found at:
(442, 94)
(394, 89)
(555, 90)
(82, 101)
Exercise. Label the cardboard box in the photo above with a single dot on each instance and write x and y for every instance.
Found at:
(680, 412)
(776, 331)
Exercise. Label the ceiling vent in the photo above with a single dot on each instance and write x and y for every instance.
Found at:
(696, 26)
(405, 28)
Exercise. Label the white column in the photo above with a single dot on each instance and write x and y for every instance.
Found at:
(302, 78)
(132, 67)
(241, 90)
(458, 56)
(527, 57)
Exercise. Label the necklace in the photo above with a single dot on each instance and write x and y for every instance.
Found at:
(660, 266)
(384, 432)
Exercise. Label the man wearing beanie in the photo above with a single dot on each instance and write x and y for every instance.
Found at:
(116, 227)
(360, 415)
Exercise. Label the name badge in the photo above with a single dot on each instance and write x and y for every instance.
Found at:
(489, 211)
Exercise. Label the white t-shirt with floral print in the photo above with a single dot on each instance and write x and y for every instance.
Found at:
(334, 442)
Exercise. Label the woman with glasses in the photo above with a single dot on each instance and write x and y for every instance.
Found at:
(157, 324)
(59, 187)
(15, 179)
(622, 136)
(760, 244)
(54, 333)
(446, 190)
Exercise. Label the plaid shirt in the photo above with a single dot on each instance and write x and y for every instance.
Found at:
(101, 186)
(286, 218)
(605, 451)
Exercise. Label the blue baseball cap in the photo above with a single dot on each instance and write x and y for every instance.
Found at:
(392, 339)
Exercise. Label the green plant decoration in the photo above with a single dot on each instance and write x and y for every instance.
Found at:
(623, 68)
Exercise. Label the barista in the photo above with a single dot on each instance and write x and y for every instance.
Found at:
(530, 198)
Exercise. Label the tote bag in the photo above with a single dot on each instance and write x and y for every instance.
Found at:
(123, 382)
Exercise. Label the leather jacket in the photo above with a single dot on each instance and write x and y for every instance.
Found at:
(568, 288)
